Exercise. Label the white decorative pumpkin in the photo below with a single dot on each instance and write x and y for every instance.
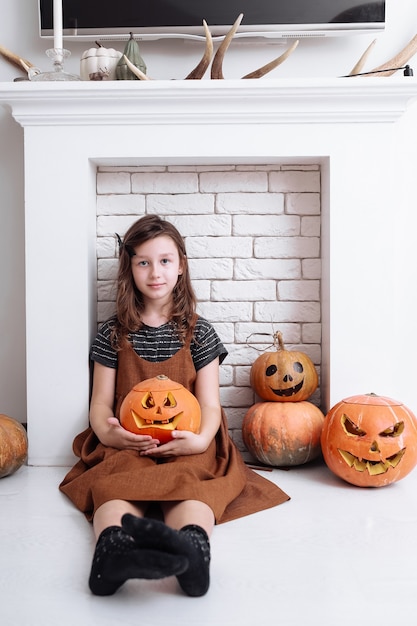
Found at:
(99, 61)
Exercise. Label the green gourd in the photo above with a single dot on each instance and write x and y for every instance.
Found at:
(132, 53)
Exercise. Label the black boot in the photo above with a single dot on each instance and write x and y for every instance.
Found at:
(195, 581)
(117, 559)
(191, 541)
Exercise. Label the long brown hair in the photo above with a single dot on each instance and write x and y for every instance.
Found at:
(129, 300)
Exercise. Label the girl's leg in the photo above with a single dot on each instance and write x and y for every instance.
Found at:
(179, 514)
(111, 513)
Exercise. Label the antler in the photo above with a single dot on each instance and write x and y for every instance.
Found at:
(217, 66)
(359, 65)
(397, 62)
(199, 71)
(135, 70)
(22, 64)
(273, 64)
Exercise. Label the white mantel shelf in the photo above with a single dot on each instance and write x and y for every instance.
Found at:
(285, 101)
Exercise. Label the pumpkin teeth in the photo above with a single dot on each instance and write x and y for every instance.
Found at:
(347, 457)
(395, 458)
(359, 465)
(291, 391)
(374, 468)
(168, 424)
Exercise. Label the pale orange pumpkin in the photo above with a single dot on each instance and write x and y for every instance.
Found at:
(13, 445)
(370, 440)
(283, 375)
(158, 406)
(283, 433)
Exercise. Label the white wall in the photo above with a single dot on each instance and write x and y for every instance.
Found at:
(19, 33)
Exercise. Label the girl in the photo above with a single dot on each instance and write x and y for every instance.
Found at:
(196, 480)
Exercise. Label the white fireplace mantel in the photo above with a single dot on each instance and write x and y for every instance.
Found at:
(342, 100)
(348, 126)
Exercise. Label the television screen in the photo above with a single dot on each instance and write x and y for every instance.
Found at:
(183, 18)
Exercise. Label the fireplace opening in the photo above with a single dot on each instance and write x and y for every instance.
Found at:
(253, 238)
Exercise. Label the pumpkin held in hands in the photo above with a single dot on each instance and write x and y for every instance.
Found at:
(283, 433)
(283, 375)
(13, 445)
(370, 440)
(158, 406)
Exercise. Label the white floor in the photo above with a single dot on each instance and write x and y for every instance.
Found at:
(335, 555)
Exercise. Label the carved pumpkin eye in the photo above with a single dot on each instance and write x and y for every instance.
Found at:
(271, 370)
(298, 367)
(147, 401)
(351, 428)
(170, 401)
(393, 431)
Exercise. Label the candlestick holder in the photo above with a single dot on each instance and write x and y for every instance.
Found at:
(57, 55)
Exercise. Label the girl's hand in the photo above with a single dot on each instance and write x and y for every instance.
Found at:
(118, 437)
(183, 443)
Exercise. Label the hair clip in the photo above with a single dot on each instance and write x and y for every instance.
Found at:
(122, 246)
(120, 242)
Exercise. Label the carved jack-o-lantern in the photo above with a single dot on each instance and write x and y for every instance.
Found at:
(284, 375)
(370, 440)
(158, 406)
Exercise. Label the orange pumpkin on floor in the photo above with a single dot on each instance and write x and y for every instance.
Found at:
(283, 375)
(283, 434)
(370, 440)
(13, 445)
(158, 406)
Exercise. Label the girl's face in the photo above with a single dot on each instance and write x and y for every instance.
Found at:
(156, 266)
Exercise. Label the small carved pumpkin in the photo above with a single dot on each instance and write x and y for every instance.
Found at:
(370, 440)
(158, 406)
(13, 445)
(284, 375)
(283, 433)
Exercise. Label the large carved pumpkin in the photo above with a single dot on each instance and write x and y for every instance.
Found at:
(370, 440)
(283, 375)
(283, 433)
(13, 445)
(158, 406)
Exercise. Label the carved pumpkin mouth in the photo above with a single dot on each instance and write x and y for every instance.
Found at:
(372, 467)
(167, 424)
(291, 391)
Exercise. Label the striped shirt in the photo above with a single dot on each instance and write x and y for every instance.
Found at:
(159, 344)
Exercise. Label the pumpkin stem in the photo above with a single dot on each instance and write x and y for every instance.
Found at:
(278, 340)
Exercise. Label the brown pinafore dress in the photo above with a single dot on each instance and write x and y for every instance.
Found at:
(217, 477)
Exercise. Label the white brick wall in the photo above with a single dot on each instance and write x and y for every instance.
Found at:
(253, 242)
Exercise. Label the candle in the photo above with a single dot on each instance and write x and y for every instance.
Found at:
(58, 24)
